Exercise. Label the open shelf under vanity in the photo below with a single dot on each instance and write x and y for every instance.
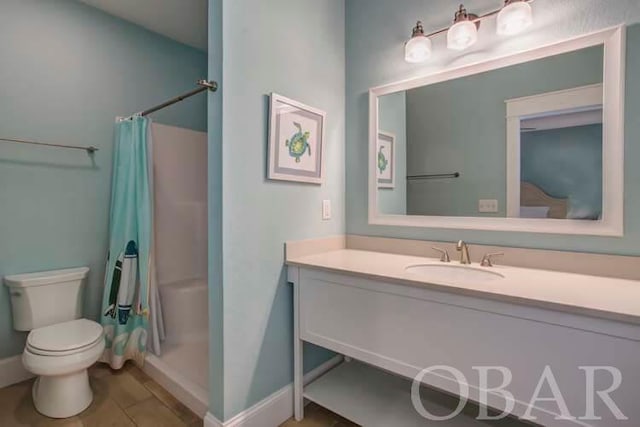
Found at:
(372, 397)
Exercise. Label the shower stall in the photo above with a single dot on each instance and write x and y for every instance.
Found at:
(180, 221)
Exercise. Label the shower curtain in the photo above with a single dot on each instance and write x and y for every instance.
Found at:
(131, 310)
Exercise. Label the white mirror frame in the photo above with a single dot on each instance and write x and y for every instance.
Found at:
(612, 221)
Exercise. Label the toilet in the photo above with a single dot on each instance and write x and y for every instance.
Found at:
(61, 346)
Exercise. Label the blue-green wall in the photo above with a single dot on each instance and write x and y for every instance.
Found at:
(393, 119)
(460, 126)
(566, 163)
(214, 118)
(294, 48)
(67, 70)
(376, 31)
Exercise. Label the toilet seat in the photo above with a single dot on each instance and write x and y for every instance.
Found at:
(64, 339)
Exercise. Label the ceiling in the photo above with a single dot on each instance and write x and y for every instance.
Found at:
(181, 20)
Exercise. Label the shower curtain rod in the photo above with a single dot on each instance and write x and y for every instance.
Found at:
(205, 85)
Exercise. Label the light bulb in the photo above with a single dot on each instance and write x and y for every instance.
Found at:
(462, 35)
(464, 32)
(515, 17)
(418, 48)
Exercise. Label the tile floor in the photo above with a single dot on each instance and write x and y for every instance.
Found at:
(317, 416)
(129, 398)
(126, 398)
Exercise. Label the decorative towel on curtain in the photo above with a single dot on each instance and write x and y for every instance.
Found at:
(128, 277)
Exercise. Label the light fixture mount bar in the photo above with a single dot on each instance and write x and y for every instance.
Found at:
(476, 19)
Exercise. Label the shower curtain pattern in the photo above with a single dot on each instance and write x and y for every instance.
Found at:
(129, 274)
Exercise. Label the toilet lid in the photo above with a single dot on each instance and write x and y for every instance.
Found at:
(65, 336)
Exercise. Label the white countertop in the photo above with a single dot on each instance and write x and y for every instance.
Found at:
(609, 298)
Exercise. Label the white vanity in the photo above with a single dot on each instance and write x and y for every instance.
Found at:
(379, 308)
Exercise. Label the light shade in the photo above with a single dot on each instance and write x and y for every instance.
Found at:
(461, 35)
(418, 48)
(515, 17)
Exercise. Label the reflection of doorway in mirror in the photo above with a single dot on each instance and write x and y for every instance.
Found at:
(385, 160)
(555, 146)
(563, 161)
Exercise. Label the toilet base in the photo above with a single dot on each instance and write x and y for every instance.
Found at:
(62, 396)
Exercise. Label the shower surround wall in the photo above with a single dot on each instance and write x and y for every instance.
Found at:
(67, 71)
(180, 199)
(180, 191)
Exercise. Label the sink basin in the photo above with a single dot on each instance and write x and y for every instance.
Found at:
(453, 273)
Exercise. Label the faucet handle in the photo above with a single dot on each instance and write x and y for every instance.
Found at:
(487, 259)
(444, 257)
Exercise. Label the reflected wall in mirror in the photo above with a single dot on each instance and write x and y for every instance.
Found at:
(522, 141)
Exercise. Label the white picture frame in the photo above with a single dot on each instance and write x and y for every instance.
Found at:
(296, 141)
(386, 160)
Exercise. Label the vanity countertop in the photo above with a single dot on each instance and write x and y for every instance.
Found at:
(603, 297)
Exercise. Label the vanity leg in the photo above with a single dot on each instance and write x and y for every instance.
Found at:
(298, 373)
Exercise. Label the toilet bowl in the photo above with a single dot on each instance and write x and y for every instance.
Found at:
(60, 355)
(61, 346)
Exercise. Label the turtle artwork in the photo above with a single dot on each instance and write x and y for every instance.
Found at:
(382, 161)
(299, 143)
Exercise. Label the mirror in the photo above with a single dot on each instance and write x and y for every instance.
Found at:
(518, 144)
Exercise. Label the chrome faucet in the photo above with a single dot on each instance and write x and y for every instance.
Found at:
(464, 252)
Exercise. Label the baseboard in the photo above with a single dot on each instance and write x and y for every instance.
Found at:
(12, 371)
(211, 421)
(273, 410)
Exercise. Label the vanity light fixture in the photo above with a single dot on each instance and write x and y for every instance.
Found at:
(514, 17)
(418, 48)
(464, 31)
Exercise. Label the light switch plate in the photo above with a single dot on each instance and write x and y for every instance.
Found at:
(326, 210)
(488, 206)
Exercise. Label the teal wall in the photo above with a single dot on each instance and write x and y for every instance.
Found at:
(393, 119)
(67, 70)
(460, 126)
(375, 33)
(294, 48)
(214, 118)
(566, 163)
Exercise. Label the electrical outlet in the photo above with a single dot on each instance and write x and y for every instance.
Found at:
(326, 210)
(488, 206)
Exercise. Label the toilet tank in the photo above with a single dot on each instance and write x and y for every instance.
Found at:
(45, 298)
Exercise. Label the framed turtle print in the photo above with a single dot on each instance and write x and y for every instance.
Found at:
(386, 160)
(296, 141)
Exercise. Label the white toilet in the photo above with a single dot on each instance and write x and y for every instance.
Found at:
(61, 345)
